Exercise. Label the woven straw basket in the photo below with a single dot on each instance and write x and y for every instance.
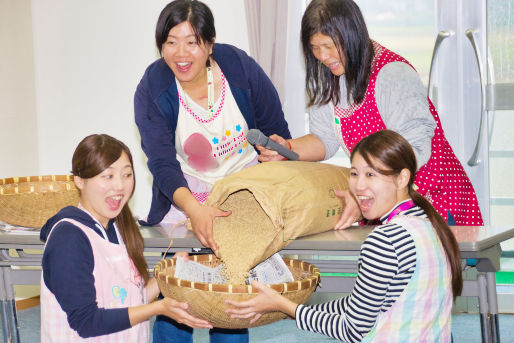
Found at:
(207, 300)
(29, 201)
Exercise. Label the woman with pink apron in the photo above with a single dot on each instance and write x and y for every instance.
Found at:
(95, 285)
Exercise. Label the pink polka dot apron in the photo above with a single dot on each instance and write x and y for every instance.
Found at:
(442, 180)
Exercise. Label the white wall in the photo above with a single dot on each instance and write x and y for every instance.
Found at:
(294, 94)
(88, 58)
(18, 130)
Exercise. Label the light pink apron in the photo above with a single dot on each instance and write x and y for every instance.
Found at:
(118, 285)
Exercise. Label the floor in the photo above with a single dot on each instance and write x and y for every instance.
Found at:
(465, 328)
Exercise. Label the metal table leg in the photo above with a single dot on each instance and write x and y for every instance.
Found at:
(15, 334)
(3, 305)
(483, 308)
(11, 306)
(492, 299)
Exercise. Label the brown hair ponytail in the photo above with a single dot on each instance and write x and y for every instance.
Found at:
(134, 242)
(448, 241)
(394, 152)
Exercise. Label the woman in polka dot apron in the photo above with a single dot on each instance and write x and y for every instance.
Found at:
(357, 87)
(193, 108)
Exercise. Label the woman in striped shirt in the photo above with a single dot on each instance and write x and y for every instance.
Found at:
(409, 267)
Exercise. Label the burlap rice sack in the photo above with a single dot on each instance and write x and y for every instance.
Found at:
(272, 204)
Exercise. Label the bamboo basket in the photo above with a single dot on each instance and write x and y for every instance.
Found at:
(207, 300)
(31, 200)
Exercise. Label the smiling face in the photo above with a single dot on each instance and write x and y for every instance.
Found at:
(105, 194)
(185, 56)
(376, 193)
(325, 51)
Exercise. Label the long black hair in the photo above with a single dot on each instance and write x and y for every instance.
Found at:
(342, 21)
(195, 12)
(396, 154)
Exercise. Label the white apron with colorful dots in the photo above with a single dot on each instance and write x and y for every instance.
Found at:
(442, 180)
(118, 285)
(211, 147)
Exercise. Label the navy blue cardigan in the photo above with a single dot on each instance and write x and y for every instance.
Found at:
(156, 108)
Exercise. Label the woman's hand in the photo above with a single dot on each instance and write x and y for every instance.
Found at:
(202, 222)
(201, 216)
(351, 212)
(267, 155)
(308, 148)
(168, 307)
(268, 300)
(178, 311)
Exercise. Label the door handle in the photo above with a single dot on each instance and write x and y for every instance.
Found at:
(442, 35)
(474, 160)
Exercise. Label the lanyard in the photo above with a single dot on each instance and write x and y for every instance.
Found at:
(400, 208)
(210, 91)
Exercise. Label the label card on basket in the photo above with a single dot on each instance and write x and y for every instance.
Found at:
(197, 272)
(271, 271)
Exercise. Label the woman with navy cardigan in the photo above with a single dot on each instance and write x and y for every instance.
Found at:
(193, 108)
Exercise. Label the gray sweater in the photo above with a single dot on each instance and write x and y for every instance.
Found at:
(402, 103)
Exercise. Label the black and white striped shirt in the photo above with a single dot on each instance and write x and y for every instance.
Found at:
(386, 264)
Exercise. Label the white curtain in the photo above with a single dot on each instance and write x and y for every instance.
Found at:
(267, 22)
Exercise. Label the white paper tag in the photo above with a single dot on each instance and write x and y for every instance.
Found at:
(271, 271)
(197, 272)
